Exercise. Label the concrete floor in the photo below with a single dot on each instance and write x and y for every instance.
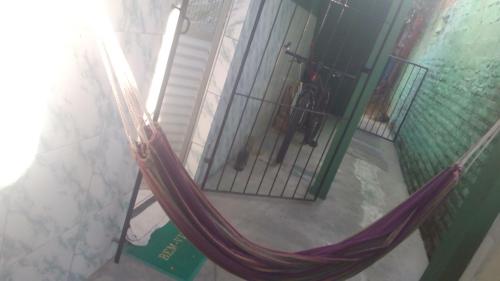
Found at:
(369, 183)
(383, 129)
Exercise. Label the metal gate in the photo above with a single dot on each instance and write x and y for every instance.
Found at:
(243, 156)
(393, 97)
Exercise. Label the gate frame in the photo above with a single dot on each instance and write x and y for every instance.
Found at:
(367, 82)
(210, 159)
(412, 98)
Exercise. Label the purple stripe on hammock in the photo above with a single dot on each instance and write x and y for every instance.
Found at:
(205, 227)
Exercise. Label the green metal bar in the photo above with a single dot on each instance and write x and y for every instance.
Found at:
(366, 85)
(473, 220)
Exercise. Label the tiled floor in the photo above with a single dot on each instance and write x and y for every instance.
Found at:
(368, 184)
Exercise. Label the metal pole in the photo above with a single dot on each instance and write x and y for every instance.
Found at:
(156, 115)
(128, 217)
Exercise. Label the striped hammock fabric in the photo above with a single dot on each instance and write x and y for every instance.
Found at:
(204, 226)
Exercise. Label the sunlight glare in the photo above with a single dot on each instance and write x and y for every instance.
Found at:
(161, 62)
(34, 45)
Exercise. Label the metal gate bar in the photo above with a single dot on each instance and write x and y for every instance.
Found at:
(252, 87)
(315, 194)
(294, 183)
(392, 99)
(256, 22)
(275, 111)
(305, 196)
(261, 174)
(294, 187)
(231, 98)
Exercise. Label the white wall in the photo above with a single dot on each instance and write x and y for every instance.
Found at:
(220, 70)
(58, 219)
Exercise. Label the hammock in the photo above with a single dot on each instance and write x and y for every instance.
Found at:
(190, 210)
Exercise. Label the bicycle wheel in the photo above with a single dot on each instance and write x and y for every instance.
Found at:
(312, 127)
(297, 115)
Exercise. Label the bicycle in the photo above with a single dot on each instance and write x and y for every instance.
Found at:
(310, 102)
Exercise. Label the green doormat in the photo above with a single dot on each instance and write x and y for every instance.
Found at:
(170, 252)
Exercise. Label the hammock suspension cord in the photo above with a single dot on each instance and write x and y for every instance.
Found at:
(476, 150)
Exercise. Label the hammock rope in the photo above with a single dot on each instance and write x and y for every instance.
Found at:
(190, 210)
(477, 149)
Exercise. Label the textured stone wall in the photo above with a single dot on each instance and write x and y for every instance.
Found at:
(458, 102)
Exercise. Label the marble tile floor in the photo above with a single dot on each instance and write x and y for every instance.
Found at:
(369, 183)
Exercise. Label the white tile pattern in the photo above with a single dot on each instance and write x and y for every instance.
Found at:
(58, 220)
(254, 79)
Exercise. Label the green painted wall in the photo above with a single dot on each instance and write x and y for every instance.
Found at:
(458, 102)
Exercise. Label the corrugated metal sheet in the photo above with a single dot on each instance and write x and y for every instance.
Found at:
(183, 87)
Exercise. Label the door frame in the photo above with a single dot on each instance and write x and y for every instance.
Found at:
(365, 86)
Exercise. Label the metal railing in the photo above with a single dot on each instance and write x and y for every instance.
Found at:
(243, 159)
(250, 166)
(393, 97)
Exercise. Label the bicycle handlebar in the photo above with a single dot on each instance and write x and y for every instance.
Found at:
(302, 59)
